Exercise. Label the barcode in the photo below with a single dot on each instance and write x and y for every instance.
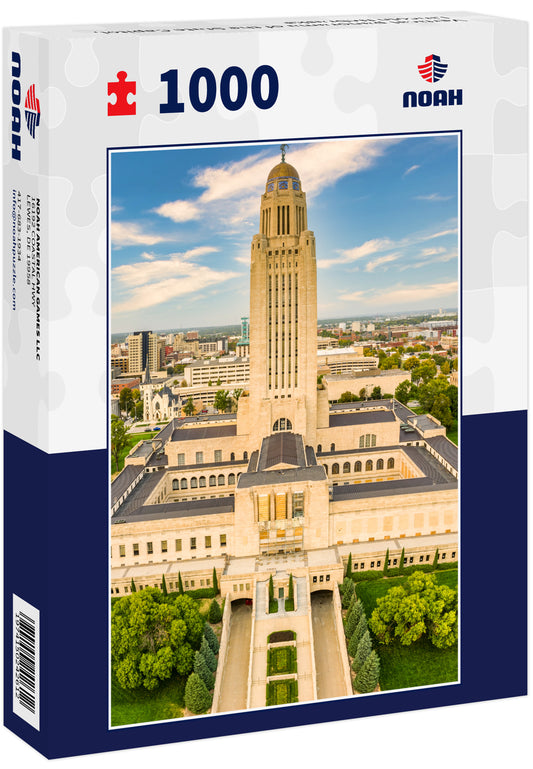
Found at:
(26, 661)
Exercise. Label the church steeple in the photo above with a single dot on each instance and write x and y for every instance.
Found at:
(283, 305)
(147, 379)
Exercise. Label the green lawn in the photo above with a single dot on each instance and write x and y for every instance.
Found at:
(132, 440)
(420, 664)
(135, 706)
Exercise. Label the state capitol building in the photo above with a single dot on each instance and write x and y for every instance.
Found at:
(290, 483)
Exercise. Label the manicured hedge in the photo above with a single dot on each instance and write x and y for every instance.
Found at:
(281, 692)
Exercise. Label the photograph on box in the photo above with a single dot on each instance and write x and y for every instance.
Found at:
(284, 409)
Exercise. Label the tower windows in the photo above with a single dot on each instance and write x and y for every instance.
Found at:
(282, 424)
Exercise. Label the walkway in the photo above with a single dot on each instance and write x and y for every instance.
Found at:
(328, 661)
(233, 690)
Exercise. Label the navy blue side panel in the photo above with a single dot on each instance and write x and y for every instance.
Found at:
(57, 559)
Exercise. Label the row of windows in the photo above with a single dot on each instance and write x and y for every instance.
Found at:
(217, 457)
(170, 585)
(365, 442)
(395, 561)
(358, 466)
(164, 546)
(321, 578)
(202, 482)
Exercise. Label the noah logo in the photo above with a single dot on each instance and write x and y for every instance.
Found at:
(32, 110)
(433, 70)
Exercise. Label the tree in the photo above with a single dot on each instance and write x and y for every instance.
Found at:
(180, 584)
(403, 391)
(237, 393)
(214, 614)
(183, 383)
(368, 677)
(445, 367)
(208, 654)
(137, 410)
(436, 559)
(353, 619)
(119, 439)
(197, 697)
(133, 586)
(364, 647)
(125, 398)
(189, 408)
(453, 395)
(402, 558)
(153, 638)
(386, 563)
(349, 566)
(222, 400)
(291, 588)
(410, 363)
(441, 410)
(376, 394)
(418, 607)
(210, 637)
(348, 590)
(353, 643)
(215, 581)
(202, 669)
(270, 588)
(164, 586)
(347, 397)
(360, 630)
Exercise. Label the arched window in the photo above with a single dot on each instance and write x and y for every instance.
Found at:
(232, 456)
(157, 406)
(194, 483)
(319, 448)
(346, 467)
(203, 483)
(238, 475)
(183, 483)
(326, 469)
(231, 479)
(379, 464)
(245, 456)
(175, 484)
(357, 467)
(390, 463)
(221, 480)
(369, 465)
(282, 424)
(332, 447)
(212, 480)
(335, 469)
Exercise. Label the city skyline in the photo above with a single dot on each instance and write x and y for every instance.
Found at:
(182, 220)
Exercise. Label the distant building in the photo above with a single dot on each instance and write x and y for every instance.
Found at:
(158, 406)
(144, 349)
(356, 326)
(344, 359)
(325, 342)
(190, 336)
(229, 371)
(119, 384)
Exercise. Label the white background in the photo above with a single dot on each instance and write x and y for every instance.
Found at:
(490, 734)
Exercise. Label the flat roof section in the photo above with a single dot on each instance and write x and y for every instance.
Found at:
(361, 417)
(176, 510)
(446, 449)
(204, 433)
(292, 475)
(388, 488)
(123, 481)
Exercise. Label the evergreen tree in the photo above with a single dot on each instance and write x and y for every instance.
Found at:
(352, 603)
(215, 581)
(133, 587)
(436, 558)
(202, 669)
(180, 584)
(364, 647)
(197, 697)
(355, 611)
(354, 619)
(291, 588)
(386, 563)
(368, 677)
(214, 614)
(210, 658)
(164, 586)
(348, 589)
(349, 566)
(360, 629)
(210, 637)
(402, 559)
(353, 644)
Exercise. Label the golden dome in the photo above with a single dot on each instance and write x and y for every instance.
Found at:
(283, 169)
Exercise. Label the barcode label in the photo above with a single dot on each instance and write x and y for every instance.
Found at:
(26, 661)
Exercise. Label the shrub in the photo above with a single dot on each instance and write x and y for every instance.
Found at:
(449, 565)
(368, 677)
(366, 576)
(202, 592)
(197, 697)
(281, 692)
(214, 614)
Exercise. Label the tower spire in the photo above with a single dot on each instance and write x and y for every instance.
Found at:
(283, 148)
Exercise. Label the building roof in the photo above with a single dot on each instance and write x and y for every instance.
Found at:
(446, 449)
(361, 417)
(388, 488)
(204, 433)
(277, 477)
(283, 169)
(123, 481)
(175, 509)
(140, 494)
(281, 448)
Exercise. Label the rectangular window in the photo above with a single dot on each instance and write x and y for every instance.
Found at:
(201, 583)
(395, 562)
(149, 548)
(222, 540)
(178, 545)
(208, 541)
(234, 588)
(372, 564)
(356, 566)
(263, 506)
(281, 506)
(297, 504)
(136, 549)
(122, 551)
(193, 543)
(362, 566)
(314, 578)
(321, 578)
(411, 559)
(199, 457)
(164, 546)
(126, 589)
(453, 555)
(186, 585)
(181, 459)
(427, 557)
(421, 558)
(378, 564)
(192, 582)
(443, 556)
(327, 577)
(218, 455)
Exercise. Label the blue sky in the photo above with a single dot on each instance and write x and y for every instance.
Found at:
(384, 212)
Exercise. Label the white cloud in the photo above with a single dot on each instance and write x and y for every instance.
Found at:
(131, 234)
(161, 279)
(433, 197)
(368, 248)
(179, 210)
(404, 296)
(380, 261)
(410, 170)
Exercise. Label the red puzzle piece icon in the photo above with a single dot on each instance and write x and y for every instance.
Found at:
(121, 88)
